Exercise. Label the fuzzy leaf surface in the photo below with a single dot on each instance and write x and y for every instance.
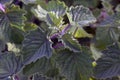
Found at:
(36, 45)
(9, 65)
(108, 65)
(75, 66)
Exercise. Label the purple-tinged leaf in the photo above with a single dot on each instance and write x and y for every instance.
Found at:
(13, 17)
(5, 2)
(9, 65)
(75, 65)
(43, 65)
(113, 20)
(65, 30)
(108, 65)
(36, 45)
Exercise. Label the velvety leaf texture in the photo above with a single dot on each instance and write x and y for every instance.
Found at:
(71, 43)
(9, 65)
(42, 66)
(36, 45)
(13, 17)
(80, 15)
(57, 7)
(75, 66)
(53, 19)
(113, 20)
(109, 64)
(52, 14)
(40, 12)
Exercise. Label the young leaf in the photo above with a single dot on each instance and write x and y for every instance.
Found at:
(75, 66)
(36, 45)
(57, 7)
(40, 12)
(52, 14)
(109, 64)
(30, 26)
(54, 20)
(9, 65)
(71, 43)
(81, 16)
(81, 33)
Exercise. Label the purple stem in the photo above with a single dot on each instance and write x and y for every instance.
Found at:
(2, 7)
(16, 77)
(65, 30)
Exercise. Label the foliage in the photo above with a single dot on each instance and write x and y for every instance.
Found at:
(59, 39)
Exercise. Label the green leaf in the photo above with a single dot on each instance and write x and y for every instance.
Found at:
(52, 14)
(30, 26)
(95, 52)
(108, 65)
(107, 6)
(81, 33)
(103, 37)
(40, 12)
(70, 42)
(29, 1)
(57, 7)
(80, 16)
(54, 20)
(36, 45)
(15, 35)
(13, 17)
(87, 3)
(75, 66)
(42, 66)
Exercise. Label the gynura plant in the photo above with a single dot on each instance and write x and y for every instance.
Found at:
(47, 40)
